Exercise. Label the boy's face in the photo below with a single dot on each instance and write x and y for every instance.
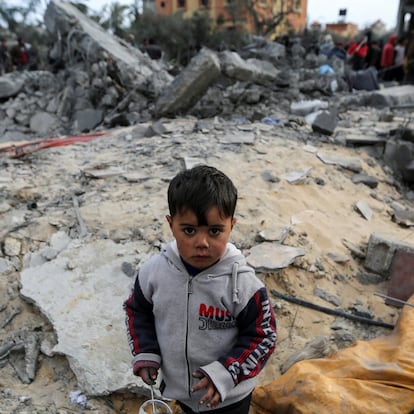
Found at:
(201, 246)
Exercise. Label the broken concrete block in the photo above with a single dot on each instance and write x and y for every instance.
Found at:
(298, 176)
(81, 292)
(306, 107)
(156, 128)
(188, 87)
(273, 256)
(63, 19)
(273, 234)
(44, 123)
(394, 96)
(350, 163)
(380, 253)
(364, 209)
(87, 119)
(403, 216)
(325, 122)
(6, 266)
(366, 179)
(399, 155)
(261, 48)
(12, 246)
(253, 70)
(10, 85)
(402, 277)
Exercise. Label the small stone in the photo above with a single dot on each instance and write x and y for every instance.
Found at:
(12, 246)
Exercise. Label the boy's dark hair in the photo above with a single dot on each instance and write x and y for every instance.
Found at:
(199, 189)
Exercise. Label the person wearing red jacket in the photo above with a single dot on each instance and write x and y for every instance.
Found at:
(356, 53)
(387, 58)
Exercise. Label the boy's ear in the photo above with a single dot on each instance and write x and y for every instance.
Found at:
(169, 219)
(233, 222)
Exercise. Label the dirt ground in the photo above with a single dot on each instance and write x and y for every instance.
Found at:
(319, 214)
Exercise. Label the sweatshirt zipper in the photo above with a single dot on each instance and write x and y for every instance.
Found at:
(189, 292)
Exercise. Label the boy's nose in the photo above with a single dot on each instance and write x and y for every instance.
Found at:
(202, 241)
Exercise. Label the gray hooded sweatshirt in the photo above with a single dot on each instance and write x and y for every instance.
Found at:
(219, 321)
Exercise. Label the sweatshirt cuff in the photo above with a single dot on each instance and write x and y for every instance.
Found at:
(144, 364)
(147, 357)
(220, 377)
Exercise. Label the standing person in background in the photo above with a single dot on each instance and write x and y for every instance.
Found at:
(399, 59)
(20, 54)
(356, 53)
(198, 312)
(338, 51)
(152, 49)
(326, 45)
(131, 40)
(373, 58)
(388, 58)
(371, 52)
(6, 64)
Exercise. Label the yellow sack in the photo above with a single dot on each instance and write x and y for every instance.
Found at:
(374, 376)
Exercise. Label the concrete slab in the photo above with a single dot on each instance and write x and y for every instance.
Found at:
(402, 277)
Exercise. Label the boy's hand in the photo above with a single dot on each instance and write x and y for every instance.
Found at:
(211, 397)
(148, 374)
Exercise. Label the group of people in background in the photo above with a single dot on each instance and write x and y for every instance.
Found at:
(148, 46)
(20, 56)
(394, 60)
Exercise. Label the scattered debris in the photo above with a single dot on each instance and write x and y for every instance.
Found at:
(315, 348)
(273, 256)
(329, 311)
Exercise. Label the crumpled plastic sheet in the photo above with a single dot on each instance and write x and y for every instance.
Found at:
(374, 376)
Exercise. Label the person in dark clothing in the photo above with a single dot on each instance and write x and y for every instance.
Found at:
(398, 71)
(152, 49)
(197, 311)
(373, 58)
(24, 55)
(338, 50)
(20, 54)
(6, 64)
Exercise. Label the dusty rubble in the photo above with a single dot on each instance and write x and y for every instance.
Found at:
(319, 170)
(100, 81)
(82, 216)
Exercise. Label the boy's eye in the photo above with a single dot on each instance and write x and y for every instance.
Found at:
(189, 231)
(215, 231)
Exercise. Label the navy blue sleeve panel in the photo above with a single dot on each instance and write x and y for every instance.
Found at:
(256, 341)
(140, 323)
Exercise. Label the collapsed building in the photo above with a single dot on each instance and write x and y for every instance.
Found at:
(101, 81)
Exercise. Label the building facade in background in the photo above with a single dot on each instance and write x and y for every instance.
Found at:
(228, 13)
(298, 19)
(347, 30)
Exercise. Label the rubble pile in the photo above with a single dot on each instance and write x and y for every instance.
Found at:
(101, 81)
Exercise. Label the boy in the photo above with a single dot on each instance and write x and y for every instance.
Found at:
(197, 310)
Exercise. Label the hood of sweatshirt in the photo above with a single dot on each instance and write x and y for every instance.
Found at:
(231, 264)
(392, 39)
